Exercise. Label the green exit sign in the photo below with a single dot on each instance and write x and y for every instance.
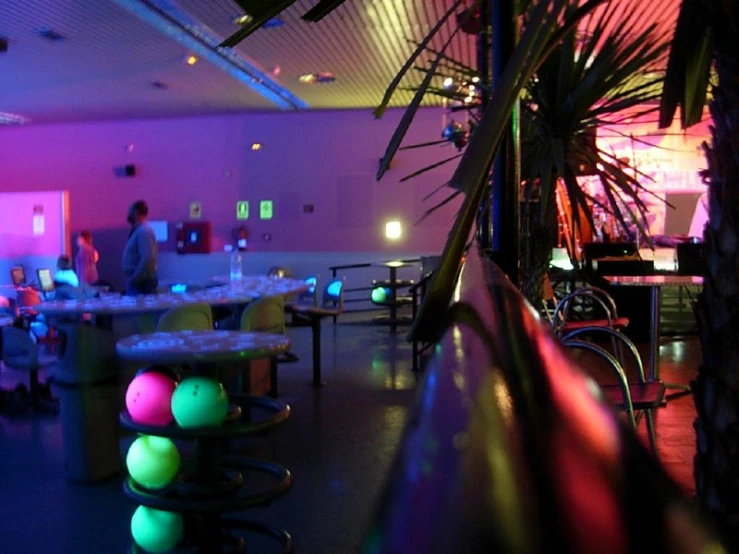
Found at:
(242, 209)
(265, 209)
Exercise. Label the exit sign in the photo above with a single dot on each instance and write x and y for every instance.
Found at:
(265, 209)
(242, 209)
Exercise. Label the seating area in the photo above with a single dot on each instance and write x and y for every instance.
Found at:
(385, 277)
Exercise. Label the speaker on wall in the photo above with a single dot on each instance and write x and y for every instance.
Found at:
(128, 170)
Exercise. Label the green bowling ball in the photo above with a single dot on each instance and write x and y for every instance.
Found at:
(199, 402)
(156, 530)
(153, 461)
(379, 295)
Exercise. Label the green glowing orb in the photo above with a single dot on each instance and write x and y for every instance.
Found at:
(379, 295)
(199, 402)
(152, 461)
(156, 530)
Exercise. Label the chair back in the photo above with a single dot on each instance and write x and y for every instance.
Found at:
(191, 317)
(19, 349)
(333, 295)
(310, 296)
(266, 315)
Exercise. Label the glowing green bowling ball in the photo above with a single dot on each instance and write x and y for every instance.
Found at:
(152, 461)
(379, 295)
(199, 402)
(156, 530)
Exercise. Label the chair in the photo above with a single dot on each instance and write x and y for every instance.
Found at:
(267, 315)
(20, 352)
(190, 317)
(332, 305)
(308, 297)
(643, 396)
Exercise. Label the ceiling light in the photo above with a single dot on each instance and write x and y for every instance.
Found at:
(475, 79)
(273, 23)
(324, 77)
(243, 19)
(7, 118)
(469, 99)
(49, 34)
(448, 82)
(191, 60)
(256, 146)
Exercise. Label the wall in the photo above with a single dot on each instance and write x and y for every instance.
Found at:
(327, 159)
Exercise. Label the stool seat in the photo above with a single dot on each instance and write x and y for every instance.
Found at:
(644, 396)
(617, 323)
(397, 284)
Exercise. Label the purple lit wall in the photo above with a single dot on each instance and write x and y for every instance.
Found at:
(326, 159)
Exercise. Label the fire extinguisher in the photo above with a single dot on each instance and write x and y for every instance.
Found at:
(240, 236)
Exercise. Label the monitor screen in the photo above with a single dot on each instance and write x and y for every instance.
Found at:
(18, 275)
(45, 280)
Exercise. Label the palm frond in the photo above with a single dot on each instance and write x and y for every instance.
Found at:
(430, 167)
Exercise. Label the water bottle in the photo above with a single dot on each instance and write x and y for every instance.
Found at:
(236, 267)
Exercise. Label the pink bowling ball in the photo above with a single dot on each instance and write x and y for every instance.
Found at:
(149, 398)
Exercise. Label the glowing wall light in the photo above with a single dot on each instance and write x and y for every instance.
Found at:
(393, 230)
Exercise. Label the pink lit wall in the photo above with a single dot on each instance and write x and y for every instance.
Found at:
(323, 159)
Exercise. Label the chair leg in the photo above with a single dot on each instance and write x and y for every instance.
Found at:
(273, 377)
(652, 432)
(316, 332)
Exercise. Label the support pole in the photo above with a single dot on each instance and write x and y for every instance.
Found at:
(484, 225)
(504, 201)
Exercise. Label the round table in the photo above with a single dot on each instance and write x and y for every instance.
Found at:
(201, 346)
(119, 305)
(263, 285)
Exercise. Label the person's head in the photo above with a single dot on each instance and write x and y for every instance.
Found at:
(63, 263)
(84, 238)
(138, 212)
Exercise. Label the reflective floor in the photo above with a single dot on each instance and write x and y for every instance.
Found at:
(339, 445)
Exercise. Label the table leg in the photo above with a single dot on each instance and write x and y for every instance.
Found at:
(393, 298)
(655, 333)
(654, 343)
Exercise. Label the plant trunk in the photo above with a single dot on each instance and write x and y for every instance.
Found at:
(716, 390)
(539, 237)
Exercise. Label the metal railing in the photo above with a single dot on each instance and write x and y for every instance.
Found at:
(510, 448)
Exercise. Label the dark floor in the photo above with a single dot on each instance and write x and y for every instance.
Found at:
(339, 445)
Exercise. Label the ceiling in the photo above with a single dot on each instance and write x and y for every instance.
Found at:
(105, 66)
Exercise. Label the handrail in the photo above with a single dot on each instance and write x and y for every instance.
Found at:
(508, 449)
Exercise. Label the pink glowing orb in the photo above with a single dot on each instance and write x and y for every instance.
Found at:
(149, 398)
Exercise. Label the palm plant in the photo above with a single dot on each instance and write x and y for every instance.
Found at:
(577, 82)
(706, 35)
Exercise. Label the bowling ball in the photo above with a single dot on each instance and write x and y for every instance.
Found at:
(156, 530)
(149, 398)
(199, 402)
(379, 295)
(153, 461)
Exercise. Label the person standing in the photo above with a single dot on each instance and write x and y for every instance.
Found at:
(86, 259)
(140, 253)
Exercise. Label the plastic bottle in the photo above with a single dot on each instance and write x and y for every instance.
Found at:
(236, 267)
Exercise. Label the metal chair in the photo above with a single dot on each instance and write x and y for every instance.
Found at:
(332, 305)
(644, 396)
(191, 317)
(20, 352)
(308, 297)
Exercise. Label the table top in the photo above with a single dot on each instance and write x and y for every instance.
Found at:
(201, 346)
(655, 281)
(394, 264)
(116, 304)
(263, 285)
